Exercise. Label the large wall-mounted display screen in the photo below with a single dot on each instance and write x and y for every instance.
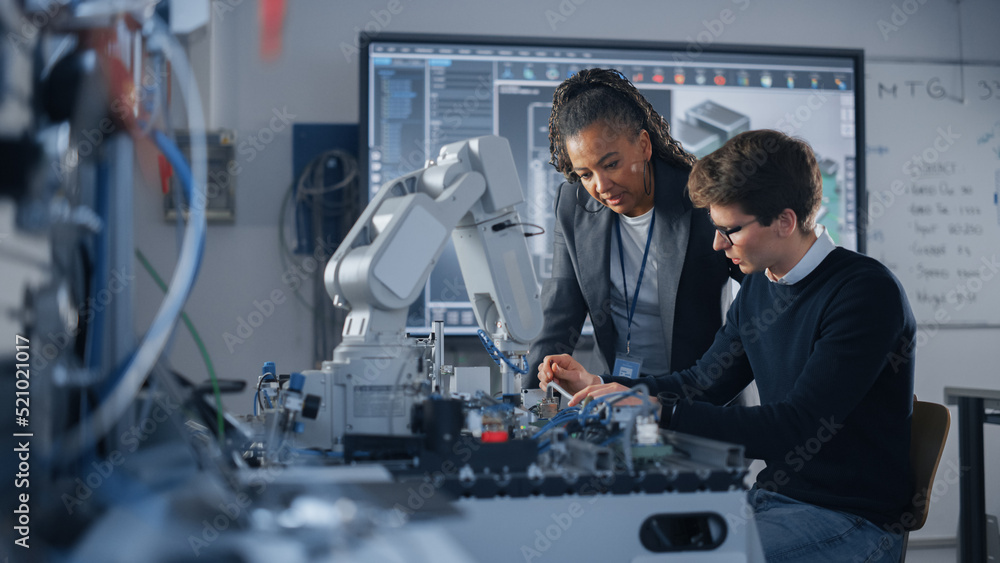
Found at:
(421, 92)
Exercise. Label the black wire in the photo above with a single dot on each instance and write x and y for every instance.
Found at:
(508, 224)
(337, 201)
(584, 205)
(541, 229)
(287, 257)
(483, 222)
(260, 382)
(304, 191)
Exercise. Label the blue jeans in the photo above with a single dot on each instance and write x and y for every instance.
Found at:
(796, 531)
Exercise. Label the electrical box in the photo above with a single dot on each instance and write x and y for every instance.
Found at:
(223, 169)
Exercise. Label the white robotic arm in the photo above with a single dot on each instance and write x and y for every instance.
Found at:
(471, 193)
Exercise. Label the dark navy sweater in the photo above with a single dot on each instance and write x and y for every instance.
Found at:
(833, 359)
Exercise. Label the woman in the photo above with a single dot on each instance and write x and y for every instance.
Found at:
(629, 248)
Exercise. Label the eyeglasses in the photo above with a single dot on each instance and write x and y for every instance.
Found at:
(729, 232)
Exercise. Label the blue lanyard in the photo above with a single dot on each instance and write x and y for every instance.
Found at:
(638, 283)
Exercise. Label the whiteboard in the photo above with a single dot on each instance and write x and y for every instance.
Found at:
(933, 173)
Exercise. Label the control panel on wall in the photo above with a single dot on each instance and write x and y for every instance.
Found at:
(222, 171)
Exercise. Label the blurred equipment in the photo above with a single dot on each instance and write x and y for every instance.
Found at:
(84, 87)
(19, 149)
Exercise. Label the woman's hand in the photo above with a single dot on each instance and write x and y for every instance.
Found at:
(565, 371)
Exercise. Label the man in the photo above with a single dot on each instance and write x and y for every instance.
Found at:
(826, 333)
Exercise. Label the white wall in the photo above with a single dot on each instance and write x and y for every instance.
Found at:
(316, 82)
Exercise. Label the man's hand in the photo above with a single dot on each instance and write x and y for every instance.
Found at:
(600, 389)
(566, 371)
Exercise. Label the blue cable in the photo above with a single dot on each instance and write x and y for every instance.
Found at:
(499, 356)
(176, 158)
(183, 171)
(561, 418)
(582, 415)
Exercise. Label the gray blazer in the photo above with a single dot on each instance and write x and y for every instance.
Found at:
(690, 275)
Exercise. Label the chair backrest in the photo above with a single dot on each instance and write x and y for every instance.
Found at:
(929, 426)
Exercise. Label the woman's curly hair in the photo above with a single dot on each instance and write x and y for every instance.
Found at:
(604, 94)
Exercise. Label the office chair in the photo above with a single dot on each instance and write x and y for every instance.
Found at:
(929, 428)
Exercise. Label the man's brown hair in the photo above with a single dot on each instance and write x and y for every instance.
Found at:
(764, 172)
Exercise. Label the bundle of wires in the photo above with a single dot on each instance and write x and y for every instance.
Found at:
(588, 423)
(564, 416)
(498, 356)
(310, 191)
(640, 391)
(323, 214)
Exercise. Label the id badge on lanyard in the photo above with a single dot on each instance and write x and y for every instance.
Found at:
(627, 365)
